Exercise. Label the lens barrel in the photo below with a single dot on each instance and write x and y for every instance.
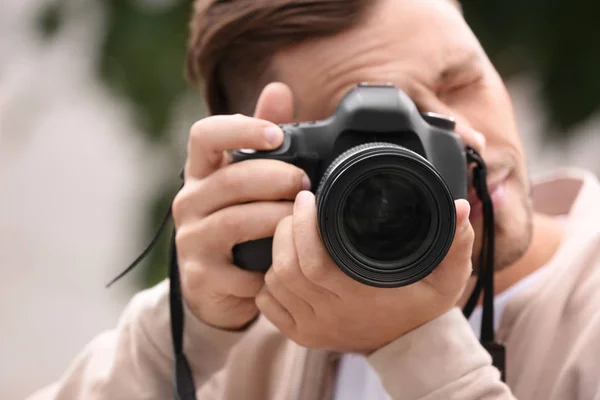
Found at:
(385, 215)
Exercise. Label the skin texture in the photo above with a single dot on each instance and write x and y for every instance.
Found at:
(304, 293)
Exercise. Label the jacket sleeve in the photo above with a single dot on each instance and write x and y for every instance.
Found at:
(134, 361)
(439, 360)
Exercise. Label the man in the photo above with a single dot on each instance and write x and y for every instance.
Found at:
(304, 330)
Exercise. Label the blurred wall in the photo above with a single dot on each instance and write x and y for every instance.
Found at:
(75, 176)
(580, 150)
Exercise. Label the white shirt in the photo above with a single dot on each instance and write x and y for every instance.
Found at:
(356, 379)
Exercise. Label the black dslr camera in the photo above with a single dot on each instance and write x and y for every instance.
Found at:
(387, 179)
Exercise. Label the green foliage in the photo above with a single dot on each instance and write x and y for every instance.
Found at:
(50, 18)
(156, 266)
(555, 39)
(142, 58)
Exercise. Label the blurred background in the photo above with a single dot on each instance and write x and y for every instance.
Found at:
(94, 113)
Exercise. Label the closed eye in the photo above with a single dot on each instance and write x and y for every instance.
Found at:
(461, 73)
(459, 84)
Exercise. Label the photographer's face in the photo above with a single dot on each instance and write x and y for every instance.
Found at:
(425, 48)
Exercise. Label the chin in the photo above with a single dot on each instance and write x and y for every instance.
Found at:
(513, 236)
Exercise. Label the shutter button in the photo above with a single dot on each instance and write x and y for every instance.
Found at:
(439, 121)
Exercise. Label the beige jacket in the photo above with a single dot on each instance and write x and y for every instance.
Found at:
(551, 330)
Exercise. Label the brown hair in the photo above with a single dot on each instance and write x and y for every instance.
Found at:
(232, 41)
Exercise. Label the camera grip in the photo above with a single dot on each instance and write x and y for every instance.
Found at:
(254, 255)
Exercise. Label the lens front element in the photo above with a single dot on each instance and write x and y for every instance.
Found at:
(385, 214)
(387, 217)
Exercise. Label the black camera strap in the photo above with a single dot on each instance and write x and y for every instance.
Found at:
(485, 277)
(183, 379)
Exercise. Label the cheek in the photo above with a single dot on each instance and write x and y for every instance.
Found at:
(515, 195)
(513, 218)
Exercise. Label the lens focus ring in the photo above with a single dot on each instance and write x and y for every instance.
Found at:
(385, 215)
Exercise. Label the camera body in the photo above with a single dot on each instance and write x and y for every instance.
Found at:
(376, 160)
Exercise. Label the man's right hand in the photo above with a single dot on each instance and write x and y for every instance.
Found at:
(223, 204)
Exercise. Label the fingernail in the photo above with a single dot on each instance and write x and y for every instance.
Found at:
(304, 198)
(273, 135)
(305, 182)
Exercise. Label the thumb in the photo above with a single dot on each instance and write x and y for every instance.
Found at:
(275, 104)
(451, 276)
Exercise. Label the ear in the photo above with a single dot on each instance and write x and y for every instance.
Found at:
(275, 104)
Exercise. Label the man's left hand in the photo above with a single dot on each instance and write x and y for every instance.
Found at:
(308, 297)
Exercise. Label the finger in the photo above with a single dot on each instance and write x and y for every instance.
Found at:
(286, 271)
(296, 306)
(224, 312)
(212, 136)
(213, 237)
(275, 312)
(313, 258)
(222, 278)
(276, 104)
(287, 266)
(453, 273)
(253, 180)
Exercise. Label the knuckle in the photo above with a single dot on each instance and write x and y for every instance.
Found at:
(181, 237)
(194, 242)
(198, 142)
(184, 235)
(194, 277)
(187, 200)
(270, 279)
(181, 204)
(199, 130)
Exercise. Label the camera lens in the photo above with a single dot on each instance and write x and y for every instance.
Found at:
(385, 215)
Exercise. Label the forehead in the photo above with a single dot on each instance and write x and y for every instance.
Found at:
(407, 42)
